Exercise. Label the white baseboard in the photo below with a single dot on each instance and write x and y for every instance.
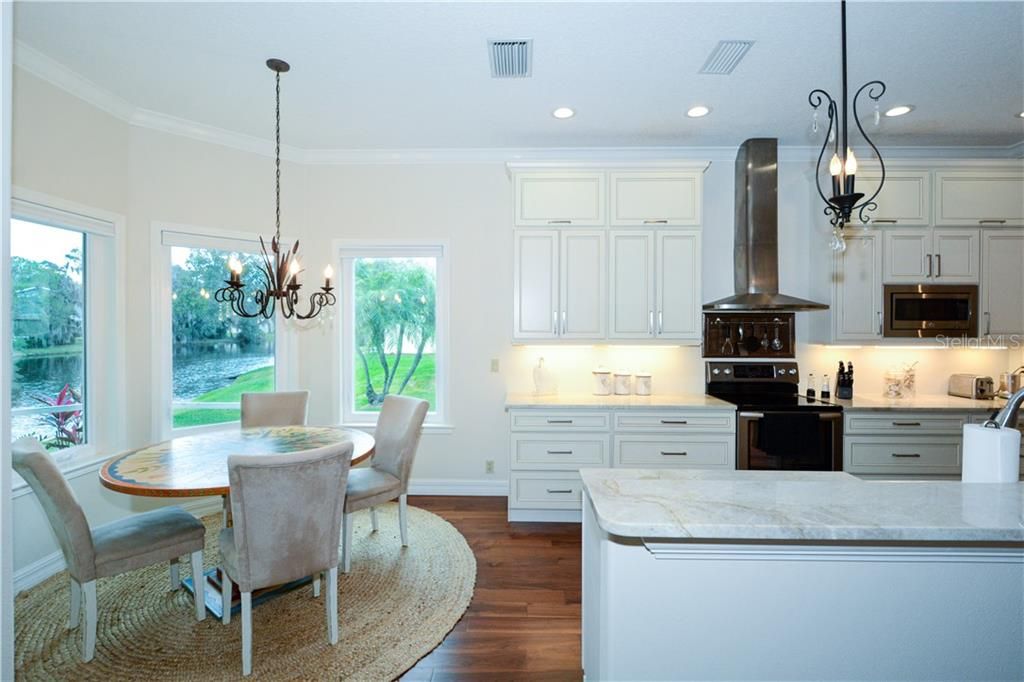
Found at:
(459, 486)
(51, 564)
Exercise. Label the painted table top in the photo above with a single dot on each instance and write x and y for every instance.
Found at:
(196, 466)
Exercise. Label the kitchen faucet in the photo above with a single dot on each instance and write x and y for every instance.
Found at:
(1007, 417)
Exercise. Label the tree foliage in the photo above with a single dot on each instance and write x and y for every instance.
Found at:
(395, 313)
(47, 309)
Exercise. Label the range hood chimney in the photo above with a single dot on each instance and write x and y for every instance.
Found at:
(756, 268)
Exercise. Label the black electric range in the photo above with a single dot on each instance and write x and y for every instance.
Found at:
(776, 427)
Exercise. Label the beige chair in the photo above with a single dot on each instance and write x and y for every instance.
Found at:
(284, 408)
(287, 512)
(387, 478)
(125, 545)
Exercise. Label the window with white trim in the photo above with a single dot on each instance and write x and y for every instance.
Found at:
(394, 330)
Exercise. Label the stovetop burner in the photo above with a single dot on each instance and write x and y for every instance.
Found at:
(761, 386)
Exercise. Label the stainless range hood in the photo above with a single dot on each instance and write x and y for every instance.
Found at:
(756, 269)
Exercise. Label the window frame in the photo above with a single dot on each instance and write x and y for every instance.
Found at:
(191, 236)
(438, 418)
(103, 294)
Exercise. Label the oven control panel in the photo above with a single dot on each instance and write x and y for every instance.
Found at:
(774, 372)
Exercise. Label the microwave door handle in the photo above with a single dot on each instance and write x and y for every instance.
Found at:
(929, 257)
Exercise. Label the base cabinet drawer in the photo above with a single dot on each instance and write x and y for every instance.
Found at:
(667, 452)
(903, 423)
(676, 421)
(558, 451)
(902, 456)
(537, 420)
(547, 490)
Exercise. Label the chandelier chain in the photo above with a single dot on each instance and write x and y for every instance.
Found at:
(277, 157)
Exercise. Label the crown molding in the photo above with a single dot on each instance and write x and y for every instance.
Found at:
(46, 68)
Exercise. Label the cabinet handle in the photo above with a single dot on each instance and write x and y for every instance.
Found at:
(675, 454)
(559, 222)
(994, 221)
(929, 265)
(988, 322)
(661, 221)
(559, 421)
(673, 421)
(906, 423)
(650, 322)
(885, 221)
(559, 452)
(661, 323)
(565, 324)
(554, 322)
(906, 454)
(879, 324)
(938, 265)
(563, 492)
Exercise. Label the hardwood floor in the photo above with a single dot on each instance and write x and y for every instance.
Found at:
(524, 620)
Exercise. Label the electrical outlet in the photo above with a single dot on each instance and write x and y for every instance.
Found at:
(495, 365)
(489, 466)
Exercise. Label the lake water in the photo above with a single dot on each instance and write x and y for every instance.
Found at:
(197, 369)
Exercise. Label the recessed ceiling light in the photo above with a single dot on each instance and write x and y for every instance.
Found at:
(900, 110)
(698, 111)
(563, 112)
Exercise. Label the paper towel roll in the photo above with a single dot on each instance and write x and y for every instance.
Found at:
(991, 455)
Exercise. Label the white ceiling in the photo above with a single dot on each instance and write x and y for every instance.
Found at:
(416, 75)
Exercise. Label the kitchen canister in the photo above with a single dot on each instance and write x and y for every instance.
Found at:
(623, 382)
(642, 386)
(602, 381)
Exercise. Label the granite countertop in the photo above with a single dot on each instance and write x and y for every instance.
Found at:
(669, 400)
(919, 402)
(784, 506)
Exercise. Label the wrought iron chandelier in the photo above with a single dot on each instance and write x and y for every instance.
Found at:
(842, 167)
(280, 270)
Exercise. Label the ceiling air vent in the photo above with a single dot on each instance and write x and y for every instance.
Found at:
(511, 58)
(725, 57)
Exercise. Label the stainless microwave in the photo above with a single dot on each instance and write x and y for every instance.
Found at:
(930, 310)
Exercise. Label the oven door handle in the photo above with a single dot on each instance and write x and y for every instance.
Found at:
(760, 415)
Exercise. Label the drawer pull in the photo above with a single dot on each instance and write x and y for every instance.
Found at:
(885, 221)
(559, 222)
(656, 222)
(559, 421)
(995, 221)
(560, 492)
(559, 452)
(906, 454)
(906, 423)
(673, 421)
(677, 454)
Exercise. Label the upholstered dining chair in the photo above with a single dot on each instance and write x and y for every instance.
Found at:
(117, 547)
(283, 408)
(287, 515)
(387, 478)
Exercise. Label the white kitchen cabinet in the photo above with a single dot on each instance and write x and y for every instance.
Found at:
(560, 198)
(977, 197)
(931, 256)
(655, 198)
(905, 198)
(677, 285)
(1002, 282)
(857, 288)
(560, 284)
(631, 302)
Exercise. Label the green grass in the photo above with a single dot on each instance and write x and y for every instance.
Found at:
(69, 349)
(420, 386)
(255, 381)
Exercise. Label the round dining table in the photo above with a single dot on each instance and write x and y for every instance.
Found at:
(197, 465)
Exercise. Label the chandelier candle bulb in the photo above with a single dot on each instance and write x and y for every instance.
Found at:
(328, 274)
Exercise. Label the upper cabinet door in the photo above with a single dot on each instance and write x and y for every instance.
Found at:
(957, 255)
(905, 198)
(1002, 281)
(631, 301)
(535, 286)
(858, 288)
(655, 198)
(985, 198)
(678, 285)
(583, 303)
(560, 198)
(907, 258)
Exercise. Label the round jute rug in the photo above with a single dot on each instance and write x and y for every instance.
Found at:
(395, 606)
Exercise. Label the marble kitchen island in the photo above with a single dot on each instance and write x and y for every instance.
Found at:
(792, 575)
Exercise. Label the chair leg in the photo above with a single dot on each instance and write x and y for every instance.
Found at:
(225, 597)
(373, 518)
(89, 636)
(346, 543)
(199, 584)
(246, 633)
(225, 511)
(175, 576)
(403, 519)
(332, 605)
(316, 585)
(76, 603)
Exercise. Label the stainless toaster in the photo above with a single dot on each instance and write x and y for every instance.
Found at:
(972, 386)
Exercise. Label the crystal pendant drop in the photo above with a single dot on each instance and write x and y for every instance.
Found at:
(838, 244)
(831, 134)
(877, 116)
(814, 122)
